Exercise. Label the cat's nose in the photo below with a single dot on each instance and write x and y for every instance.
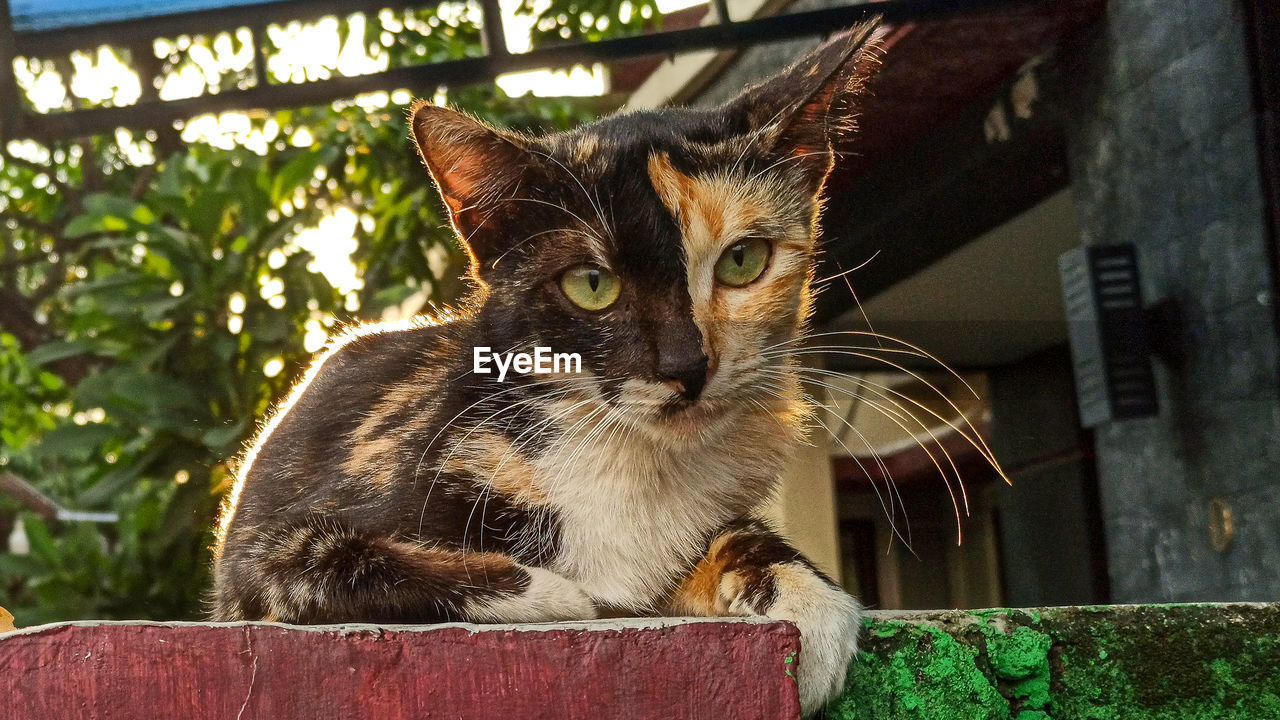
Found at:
(687, 374)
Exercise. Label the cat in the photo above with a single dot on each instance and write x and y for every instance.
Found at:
(673, 251)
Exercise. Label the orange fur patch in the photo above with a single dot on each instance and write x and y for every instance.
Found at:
(699, 593)
(491, 458)
(714, 211)
(370, 453)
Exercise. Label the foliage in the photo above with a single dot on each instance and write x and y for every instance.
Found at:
(151, 309)
(578, 20)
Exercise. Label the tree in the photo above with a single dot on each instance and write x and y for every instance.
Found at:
(157, 296)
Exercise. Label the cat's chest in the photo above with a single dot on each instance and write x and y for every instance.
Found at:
(633, 519)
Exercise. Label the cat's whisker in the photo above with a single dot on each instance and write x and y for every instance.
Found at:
(906, 541)
(537, 397)
(846, 273)
(921, 352)
(534, 433)
(882, 392)
(835, 349)
(555, 477)
(975, 439)
(890, 485)
(971, 435)
(487, 488)
(518, 245)
(880, 464)
(593, 201)
(448, 424)
(862, 353)
(896, 417)
(782, 350)
(854, 293)
(597, 244)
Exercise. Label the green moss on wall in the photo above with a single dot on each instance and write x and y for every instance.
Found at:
(1179, 662)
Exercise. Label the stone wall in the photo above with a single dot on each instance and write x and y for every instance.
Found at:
(1163, 155)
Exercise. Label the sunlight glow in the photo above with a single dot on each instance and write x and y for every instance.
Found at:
(104, 78)
(44, 87)
(311, 51)
(138, 153)
(576, 82)
(331, 244)
(231, 129)
(670, 6)
(316, 336)
(273, 367)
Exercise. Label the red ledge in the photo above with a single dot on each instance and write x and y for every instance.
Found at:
(659, 668)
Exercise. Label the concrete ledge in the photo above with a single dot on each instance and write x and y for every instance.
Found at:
(1135, 662)
(1179, 662)
(709, 670)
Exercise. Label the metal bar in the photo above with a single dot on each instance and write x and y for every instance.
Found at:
(10, 102)
(495, 40)
(32, 499)
(722, 11)
(258, 34)
(472, 70)
(29, 497)
(92, 517)
(202, 22)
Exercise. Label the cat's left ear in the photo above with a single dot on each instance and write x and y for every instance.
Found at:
(472, 164)
(800, 111)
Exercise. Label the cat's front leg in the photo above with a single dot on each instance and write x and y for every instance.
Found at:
(314, 570)
(750, 570)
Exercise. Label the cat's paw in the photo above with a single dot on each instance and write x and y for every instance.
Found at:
(829, 621)
(547, 597)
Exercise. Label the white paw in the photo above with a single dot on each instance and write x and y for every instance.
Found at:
(548, 598)
(829, 621)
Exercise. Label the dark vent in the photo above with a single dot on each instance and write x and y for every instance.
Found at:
(1107, 327)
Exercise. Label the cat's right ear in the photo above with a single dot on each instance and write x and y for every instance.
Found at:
(472, 164)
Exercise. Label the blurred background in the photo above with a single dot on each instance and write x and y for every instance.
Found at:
(1049, 257)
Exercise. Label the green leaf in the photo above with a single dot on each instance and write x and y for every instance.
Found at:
(82, 225)
(223, 438)
(74, 441)
(41, 540)
(107, 205)
(300, 169)
(57, 350)
(110, 485)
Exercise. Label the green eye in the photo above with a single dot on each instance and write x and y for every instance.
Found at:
(590, 287)
(742, 262)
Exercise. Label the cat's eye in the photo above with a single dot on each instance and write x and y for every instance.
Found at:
(742, 262)
(590, 287)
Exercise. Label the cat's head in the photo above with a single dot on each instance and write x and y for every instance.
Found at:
(673, 250)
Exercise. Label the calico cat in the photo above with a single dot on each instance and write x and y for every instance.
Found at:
(673, 251)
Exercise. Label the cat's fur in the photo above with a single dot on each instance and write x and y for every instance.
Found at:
(396, 485)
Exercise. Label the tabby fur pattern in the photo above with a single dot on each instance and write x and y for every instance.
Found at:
(396, 485)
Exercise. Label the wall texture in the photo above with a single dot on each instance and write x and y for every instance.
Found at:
(1163, 155)
(1190, 662)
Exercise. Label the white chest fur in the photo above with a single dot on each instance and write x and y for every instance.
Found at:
(636, 514)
